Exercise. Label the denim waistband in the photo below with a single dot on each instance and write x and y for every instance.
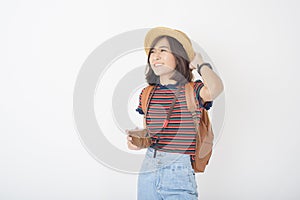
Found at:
(163, 156)
(165, 160)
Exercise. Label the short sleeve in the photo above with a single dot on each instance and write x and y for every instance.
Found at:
(139, 108)
(197, 87)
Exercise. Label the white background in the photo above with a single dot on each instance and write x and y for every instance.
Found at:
(254, 45)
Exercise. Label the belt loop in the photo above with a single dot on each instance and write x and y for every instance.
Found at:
(154, 153)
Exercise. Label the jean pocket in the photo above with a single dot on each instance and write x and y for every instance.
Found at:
(177, 177)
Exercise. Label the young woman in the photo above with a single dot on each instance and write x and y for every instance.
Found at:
(166, 172)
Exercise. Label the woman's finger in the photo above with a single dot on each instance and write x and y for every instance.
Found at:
(129, 138)
(132, 146)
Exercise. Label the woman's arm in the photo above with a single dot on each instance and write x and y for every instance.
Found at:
(213, 85)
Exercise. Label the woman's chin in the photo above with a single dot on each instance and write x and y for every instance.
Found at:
(159, 72)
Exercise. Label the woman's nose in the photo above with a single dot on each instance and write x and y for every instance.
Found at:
(155, 56)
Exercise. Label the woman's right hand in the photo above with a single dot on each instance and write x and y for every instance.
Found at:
(129, 143)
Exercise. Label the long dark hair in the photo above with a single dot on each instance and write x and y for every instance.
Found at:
(183, 73)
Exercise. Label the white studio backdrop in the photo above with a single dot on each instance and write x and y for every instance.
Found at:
(253, 44)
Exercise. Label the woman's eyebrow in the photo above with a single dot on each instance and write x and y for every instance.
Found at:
(164, 47)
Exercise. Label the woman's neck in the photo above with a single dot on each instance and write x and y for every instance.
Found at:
(166, 81)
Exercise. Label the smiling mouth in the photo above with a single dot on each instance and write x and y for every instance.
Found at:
(158, 65)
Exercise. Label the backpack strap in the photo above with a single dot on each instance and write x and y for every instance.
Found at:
(191, 103)
(204, 129)
(145, 97)
(190, 97)
(192, 106)
(145, 100)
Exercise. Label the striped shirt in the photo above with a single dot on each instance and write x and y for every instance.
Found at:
(179, 136)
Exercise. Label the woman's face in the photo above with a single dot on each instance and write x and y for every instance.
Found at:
(162, 61)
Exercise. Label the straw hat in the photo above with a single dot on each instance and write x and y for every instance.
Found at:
(178, 35)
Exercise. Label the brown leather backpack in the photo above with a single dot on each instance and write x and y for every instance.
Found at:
(204, 137)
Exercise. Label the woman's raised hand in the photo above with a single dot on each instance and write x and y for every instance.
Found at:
(197, 60)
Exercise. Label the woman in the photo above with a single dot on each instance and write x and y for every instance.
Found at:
(166, 172)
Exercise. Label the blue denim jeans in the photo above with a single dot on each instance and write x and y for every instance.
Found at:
(168, 176)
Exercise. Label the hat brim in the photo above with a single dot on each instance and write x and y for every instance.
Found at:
(178, 35)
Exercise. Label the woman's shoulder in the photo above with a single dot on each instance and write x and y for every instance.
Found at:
(198, 84)
(147, 87)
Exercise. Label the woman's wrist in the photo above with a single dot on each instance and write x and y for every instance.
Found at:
(200, 66)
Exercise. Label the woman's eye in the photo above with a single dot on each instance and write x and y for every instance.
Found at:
(161, 50)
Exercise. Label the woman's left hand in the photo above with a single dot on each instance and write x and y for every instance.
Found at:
(197, 60)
